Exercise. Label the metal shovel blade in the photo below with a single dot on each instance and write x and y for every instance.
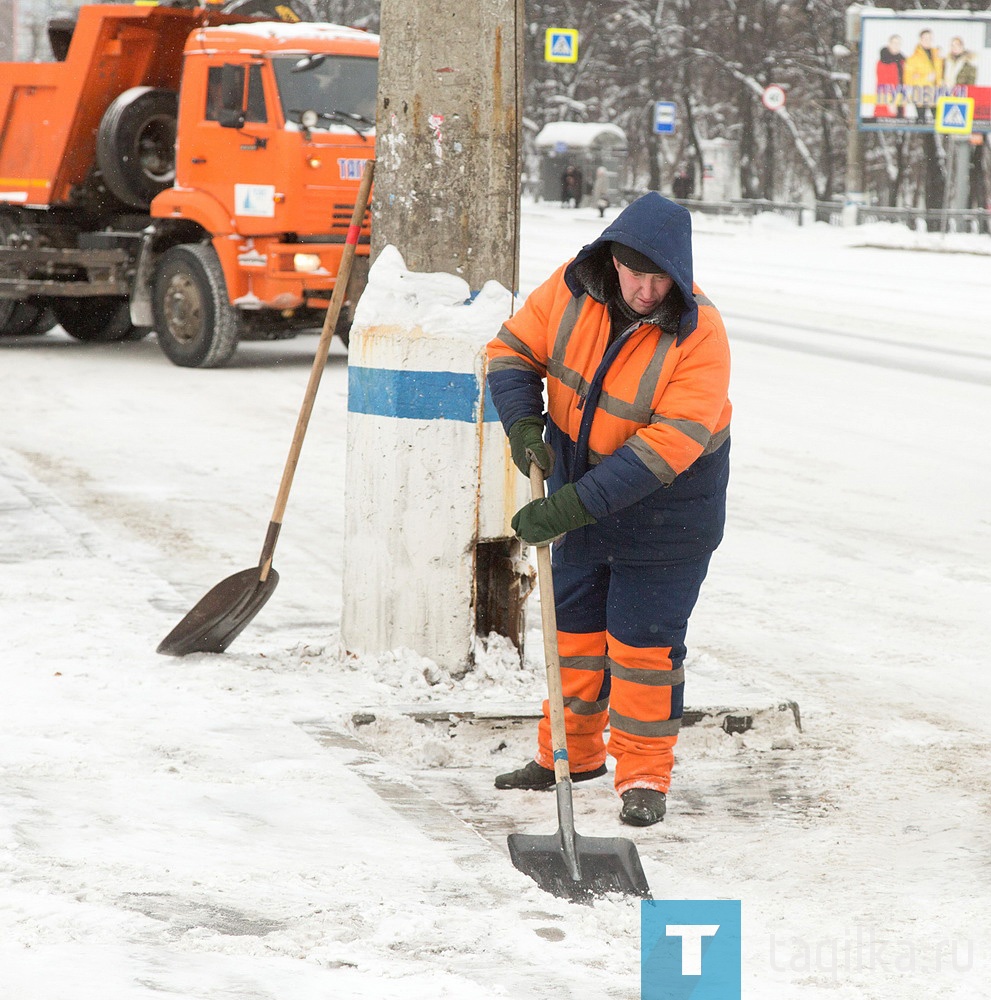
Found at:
(221, 614)
(594, 867)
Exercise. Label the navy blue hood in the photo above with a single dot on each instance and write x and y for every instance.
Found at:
(654, 226)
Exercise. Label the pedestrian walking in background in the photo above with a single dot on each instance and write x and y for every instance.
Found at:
(571, 187)
(600, 190)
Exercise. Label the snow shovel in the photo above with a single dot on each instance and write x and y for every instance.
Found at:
(565, 863)
(223, 612)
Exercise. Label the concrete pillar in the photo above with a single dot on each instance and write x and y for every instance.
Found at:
(429, 557)
(449, 137)
(429, 482)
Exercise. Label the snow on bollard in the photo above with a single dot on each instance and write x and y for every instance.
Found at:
(429, 480)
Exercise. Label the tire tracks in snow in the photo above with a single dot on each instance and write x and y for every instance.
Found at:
(881, 352)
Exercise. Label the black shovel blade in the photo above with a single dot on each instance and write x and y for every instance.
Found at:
(221, 614)
(600, 865)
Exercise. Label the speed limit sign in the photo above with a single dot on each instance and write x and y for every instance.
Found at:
(773, 97)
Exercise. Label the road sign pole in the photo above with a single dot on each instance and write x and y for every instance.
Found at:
(961, 185)
(948, 183)
(955, 120)
(854, 196)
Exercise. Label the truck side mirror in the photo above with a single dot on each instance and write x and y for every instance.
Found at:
(232, 111)
(231, 119)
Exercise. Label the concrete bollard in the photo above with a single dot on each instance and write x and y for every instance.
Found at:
(430, 485)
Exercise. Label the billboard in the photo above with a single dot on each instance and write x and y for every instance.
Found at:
(910, 59)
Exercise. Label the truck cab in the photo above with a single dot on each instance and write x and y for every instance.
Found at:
(275, 124)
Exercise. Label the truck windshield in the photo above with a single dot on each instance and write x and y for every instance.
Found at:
(341, 89)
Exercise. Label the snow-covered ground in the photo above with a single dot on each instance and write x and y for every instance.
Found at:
(219, 828)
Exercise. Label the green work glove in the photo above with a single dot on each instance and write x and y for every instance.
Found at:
(526, 442)
(541, 521)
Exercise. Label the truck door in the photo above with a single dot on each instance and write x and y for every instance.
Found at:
(228, 150)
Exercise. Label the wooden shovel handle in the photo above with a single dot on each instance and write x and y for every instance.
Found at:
(319, 363)
(552, 659)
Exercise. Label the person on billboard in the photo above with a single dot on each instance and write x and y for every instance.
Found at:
(924, 74)
(958, 66)
(890, 72)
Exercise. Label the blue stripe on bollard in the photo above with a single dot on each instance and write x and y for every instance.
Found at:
(414, 395)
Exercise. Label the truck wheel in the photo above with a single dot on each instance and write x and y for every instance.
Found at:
(196, 324)
(24, 319)
(356, 285)
(100, 319)
(44, 321)
(135, 144)
(344, 323)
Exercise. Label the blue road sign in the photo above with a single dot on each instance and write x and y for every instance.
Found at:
(664, 116)
(561, 45)
(955, 115)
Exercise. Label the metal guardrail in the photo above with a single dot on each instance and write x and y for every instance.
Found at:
(954, 220)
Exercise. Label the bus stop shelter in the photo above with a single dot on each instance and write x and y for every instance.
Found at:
(585, 145)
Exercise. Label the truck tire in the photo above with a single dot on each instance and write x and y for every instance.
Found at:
(24, 318)
(135, 144)
(356, 285)
(44, 321)
(100, 319)
(196, 324)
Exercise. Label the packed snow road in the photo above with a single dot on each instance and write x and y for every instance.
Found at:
(221, 826)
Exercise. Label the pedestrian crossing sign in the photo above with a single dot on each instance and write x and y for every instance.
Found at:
(561, 45)
(954, 115)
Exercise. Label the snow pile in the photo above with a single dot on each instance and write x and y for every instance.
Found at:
(437, 303)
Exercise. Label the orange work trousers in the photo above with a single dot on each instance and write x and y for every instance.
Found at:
(621, 639)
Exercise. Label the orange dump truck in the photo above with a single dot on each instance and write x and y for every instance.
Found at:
(185, 171)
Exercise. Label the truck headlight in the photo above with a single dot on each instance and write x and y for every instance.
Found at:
(308, 262)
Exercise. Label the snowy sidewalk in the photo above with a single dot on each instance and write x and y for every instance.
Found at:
(198, 827)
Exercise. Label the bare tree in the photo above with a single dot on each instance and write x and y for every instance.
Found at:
(714, 59)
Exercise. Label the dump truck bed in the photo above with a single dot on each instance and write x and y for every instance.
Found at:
(50, 112)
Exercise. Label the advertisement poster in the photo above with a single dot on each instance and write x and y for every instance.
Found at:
(911, 59)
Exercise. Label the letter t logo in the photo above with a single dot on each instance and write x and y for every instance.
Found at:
(691, 944)
(690, 949)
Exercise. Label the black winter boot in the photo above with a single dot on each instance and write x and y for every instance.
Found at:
(643, 806)
(533, 777)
